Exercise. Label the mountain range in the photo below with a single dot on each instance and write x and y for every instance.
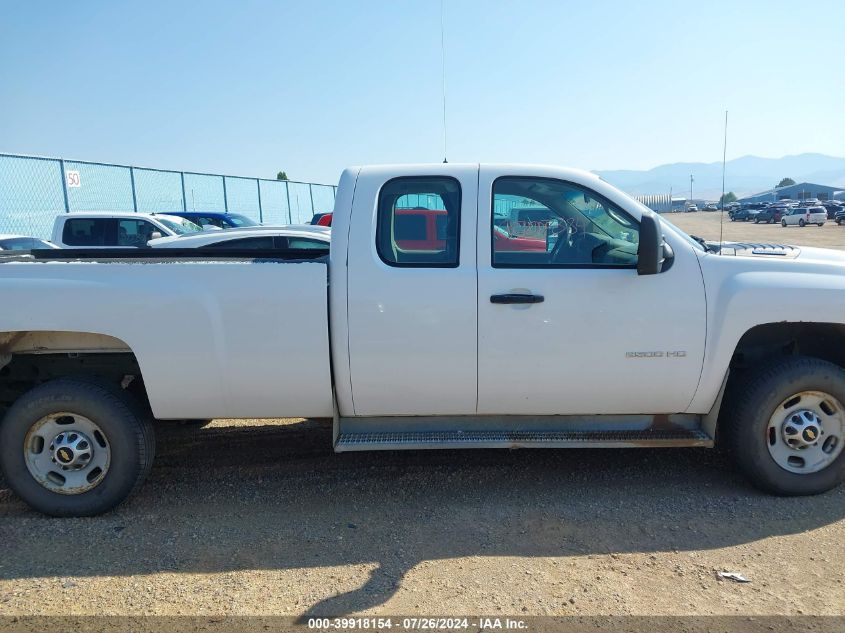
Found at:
(743, 176)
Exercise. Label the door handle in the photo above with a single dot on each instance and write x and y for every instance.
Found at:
(516, 298)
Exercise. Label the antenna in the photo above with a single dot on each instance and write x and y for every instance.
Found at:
(722, 201)
(443, 69)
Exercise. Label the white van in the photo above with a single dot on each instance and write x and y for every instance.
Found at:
(117, 230)
(803, 216)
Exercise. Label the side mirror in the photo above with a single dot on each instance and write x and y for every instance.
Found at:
(650, 254)
(155, 235)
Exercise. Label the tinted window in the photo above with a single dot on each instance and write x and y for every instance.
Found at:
(88, 232)
(304, 242)
(409, 227)
(418, 221)
(206, 221)
(135, 232)
(22, 244)
(263, 242)
(551, 223)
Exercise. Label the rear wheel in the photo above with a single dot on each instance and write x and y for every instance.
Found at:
(786, 426)
(821, 223)
(75, 447)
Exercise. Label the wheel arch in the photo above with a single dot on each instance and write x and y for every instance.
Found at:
(768, 342)
(31, 357)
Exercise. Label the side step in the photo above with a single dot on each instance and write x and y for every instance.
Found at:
(418, 440)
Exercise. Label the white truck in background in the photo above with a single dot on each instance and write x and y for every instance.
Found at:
(598, 325)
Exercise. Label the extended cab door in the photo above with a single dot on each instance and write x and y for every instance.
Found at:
(566, 325)
(411, 299)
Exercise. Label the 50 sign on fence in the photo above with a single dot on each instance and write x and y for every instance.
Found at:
(72, 179)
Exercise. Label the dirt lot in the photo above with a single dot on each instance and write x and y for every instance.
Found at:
(260, 517)
(706, 225)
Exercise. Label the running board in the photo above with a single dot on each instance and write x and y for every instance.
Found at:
(419, 440)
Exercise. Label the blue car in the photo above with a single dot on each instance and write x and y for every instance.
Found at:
(216, 218)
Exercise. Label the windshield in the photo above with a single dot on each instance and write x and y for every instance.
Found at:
(22, 244)
(180, 226)
(236, 219)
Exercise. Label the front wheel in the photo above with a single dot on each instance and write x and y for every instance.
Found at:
(75, 447)
(786, 426)
(801, 223)
(821, 223)
(783, 223)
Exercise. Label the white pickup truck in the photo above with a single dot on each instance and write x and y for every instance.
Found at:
(503, 306)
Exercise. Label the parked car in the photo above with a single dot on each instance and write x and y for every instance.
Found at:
(804, 215)
(840, 217)
(216, 219)
(832, 209)
(625, 333)
(692, 208)
(772, 213)
(322, 219)
(711, 206)
(117, 230)
(22, 243)
(252, 238)
(744, 215)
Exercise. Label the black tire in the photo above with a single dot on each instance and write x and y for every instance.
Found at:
(801, 223)
(130, 437)
(783, 223)
(744, 427)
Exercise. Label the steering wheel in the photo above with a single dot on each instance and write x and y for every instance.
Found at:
(564, 236)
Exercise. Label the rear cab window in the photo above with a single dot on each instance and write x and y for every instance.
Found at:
(418, 222)
(90, 232)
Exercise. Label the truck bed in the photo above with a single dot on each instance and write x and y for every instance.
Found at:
(234, 334)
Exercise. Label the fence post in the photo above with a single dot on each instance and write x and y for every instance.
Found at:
(287, 193)
(184, 204)
(64, 183)
(311, 195)
(225, 198)
(260, 210)
(134, 197)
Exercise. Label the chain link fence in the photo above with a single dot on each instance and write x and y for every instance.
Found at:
(33, 190)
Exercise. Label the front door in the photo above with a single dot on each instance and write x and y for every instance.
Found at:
(412, 292)
(565, 324)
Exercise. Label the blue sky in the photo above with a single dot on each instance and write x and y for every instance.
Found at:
(251, 87)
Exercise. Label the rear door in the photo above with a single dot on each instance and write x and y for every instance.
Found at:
(411, 306)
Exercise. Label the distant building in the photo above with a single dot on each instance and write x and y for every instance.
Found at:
(662, 204)
(800, 191)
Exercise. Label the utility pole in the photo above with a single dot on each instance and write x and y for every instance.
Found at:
(691, 180)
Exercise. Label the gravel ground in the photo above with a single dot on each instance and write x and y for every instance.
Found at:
(260, 517)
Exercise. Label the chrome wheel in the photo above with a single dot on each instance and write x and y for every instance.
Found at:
(67, 453)
(805, 433)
